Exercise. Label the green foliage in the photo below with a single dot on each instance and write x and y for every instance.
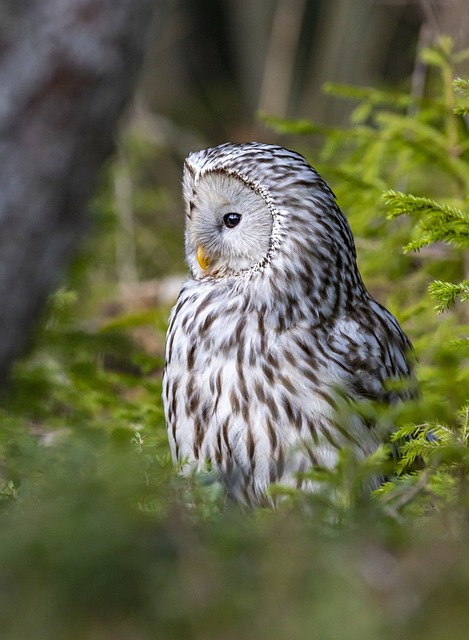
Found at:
(100, 539)
(437, 222)
(446, 293)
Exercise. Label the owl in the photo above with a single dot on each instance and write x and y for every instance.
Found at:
(274, 330)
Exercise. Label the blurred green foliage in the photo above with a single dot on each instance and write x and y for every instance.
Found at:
(98, 537)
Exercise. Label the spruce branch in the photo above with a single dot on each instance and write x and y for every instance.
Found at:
(294, 127)
(462, 84)
(375, 97)
(441, 149)
(459, 344)
(407, 204)
(461, 88)
(447, 293)
(405, 498)
(438, 222)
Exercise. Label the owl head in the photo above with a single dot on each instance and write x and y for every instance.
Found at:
(229, 224)
(253, 206)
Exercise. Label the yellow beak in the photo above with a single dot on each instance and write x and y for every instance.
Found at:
(202, 258)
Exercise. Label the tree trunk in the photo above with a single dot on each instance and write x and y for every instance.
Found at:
(65, 78)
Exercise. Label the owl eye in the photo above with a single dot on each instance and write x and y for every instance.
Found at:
(231, 219)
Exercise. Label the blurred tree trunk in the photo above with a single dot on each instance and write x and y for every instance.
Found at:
(281, 55)
(349, 48)
(65, 75)
(250, 25)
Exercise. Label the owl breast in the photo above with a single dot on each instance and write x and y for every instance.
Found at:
(253, 402)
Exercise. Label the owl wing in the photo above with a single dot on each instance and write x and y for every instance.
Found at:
(373, 352)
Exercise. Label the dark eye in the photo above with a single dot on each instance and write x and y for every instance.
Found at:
(231, 219)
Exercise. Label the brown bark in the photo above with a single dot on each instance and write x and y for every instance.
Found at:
(65, 79)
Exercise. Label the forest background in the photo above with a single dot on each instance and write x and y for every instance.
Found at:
(99, 538)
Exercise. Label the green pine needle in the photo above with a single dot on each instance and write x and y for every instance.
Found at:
(447, 293)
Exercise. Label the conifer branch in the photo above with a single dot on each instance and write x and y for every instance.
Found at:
(406, 203)
(447, 293)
